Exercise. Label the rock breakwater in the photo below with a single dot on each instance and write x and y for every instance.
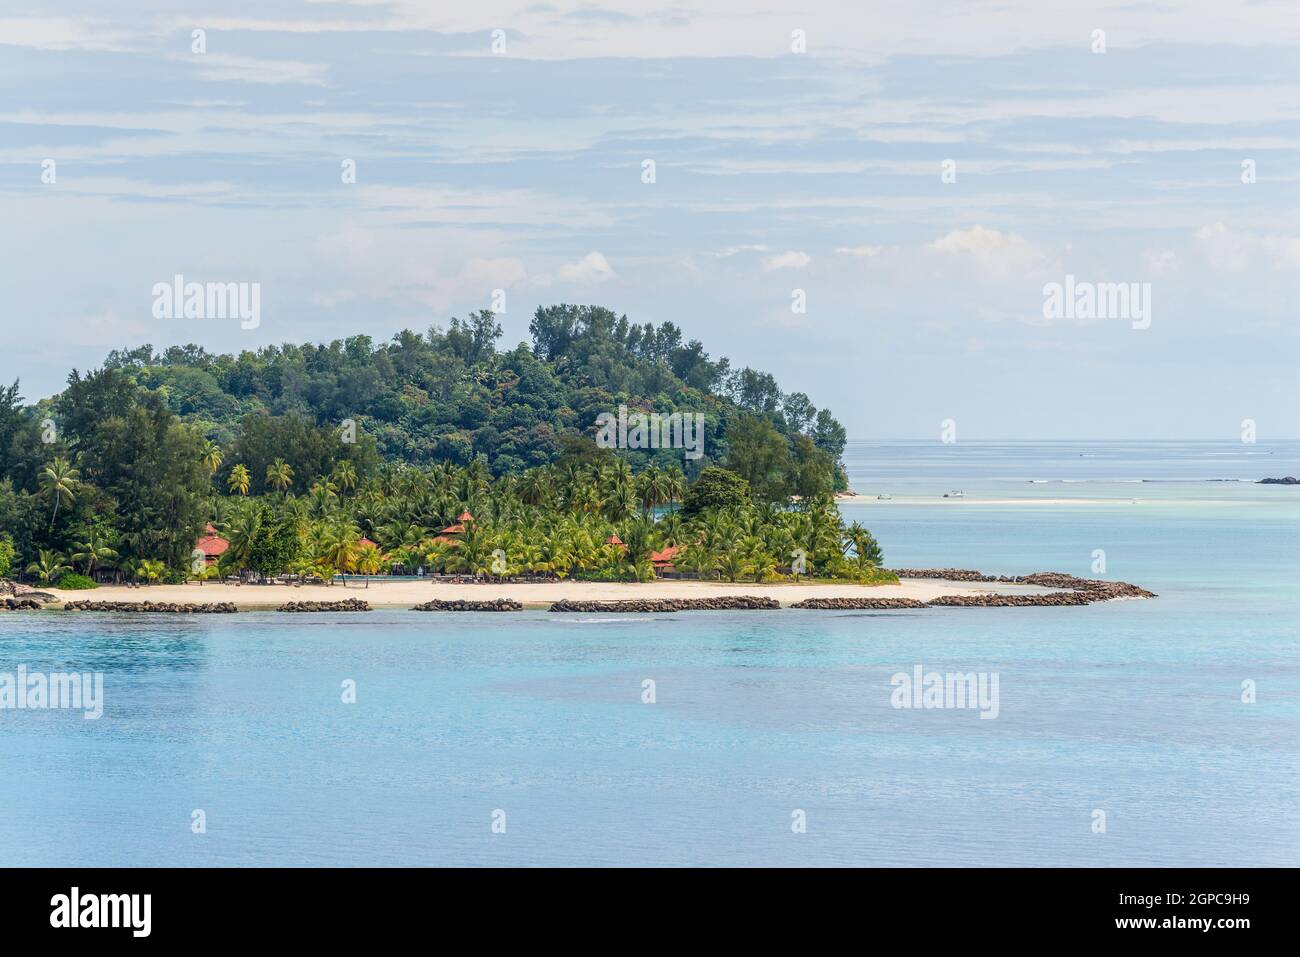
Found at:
(728, 603)
(496, 604)
(343, 604)
(20, 604)
(164, 607)
(857, 604)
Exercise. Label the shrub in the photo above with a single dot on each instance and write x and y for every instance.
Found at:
(74, 582)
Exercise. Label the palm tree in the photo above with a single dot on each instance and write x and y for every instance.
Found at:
(758, 560)
(697, 557)
(323, 493)
(239, 480)
(93, 551)
(59, 480)
(368, 561)
(50, 566)
(866, 550)
(279, 474)
(152, 569)
(732, 564)
(674, 484)
(211, 456)
(652, 487)
(345, 475)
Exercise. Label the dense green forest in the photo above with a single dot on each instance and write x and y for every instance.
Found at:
(294, 452)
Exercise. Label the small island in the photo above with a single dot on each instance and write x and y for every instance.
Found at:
(436, 472)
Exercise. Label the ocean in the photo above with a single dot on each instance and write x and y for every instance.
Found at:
(1121, 735)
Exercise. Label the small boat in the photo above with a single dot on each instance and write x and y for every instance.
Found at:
(954, 494)
(884, 497)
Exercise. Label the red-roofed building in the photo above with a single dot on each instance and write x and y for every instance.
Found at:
(615, 540)
(663, 560)
(450, 530)
(212, 545)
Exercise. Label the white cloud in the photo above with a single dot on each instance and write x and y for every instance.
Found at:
(60, 33)
(792, 259)
(997, 253)
(222, 67)
(593, 267)
(861, 252)
(1163, 263)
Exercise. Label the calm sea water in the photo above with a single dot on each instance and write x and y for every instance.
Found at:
(1131, 708)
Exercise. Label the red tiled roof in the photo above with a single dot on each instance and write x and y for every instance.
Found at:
(666, 556)
(212, 545)
(465, 516)
(364, 542)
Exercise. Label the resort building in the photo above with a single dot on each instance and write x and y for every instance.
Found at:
(212, 545)
(448, 533)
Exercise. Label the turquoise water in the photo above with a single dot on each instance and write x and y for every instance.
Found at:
(1133, 708)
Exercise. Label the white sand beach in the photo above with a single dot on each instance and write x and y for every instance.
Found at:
(405, 594)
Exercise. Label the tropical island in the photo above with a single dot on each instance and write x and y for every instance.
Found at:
(432, 454)
(435, 464)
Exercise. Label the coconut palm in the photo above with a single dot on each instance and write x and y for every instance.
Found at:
(210, 456)
(368, 560)
(732, 564)
(279, 475)
(93, 551)
(759, 562)
(651, 488)
(697, 557)
(238, 480)
(49, 566)
(674, 484)
(151, 569)
(60, 481)
(345, 475)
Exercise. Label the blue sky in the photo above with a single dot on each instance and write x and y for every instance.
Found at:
(521, 169)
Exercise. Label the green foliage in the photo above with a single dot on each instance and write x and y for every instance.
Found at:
(7, 554)
(74, 581)
(714, 490)
(295, 451)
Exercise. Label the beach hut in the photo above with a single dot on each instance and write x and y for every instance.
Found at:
(615, 540)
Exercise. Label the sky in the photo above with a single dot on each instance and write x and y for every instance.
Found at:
(869, 200)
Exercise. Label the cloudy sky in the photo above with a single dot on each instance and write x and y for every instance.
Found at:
(799, 151)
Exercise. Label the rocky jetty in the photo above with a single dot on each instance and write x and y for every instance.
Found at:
(1015, 601)
(729, 603)
(343, 604)
(857, 604)
(164, 607)
(1287, 480)
(20, 604)
(496, 604)
(947, 574)
(1080, 591)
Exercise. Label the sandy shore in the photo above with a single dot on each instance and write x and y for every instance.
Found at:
(405, 594)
